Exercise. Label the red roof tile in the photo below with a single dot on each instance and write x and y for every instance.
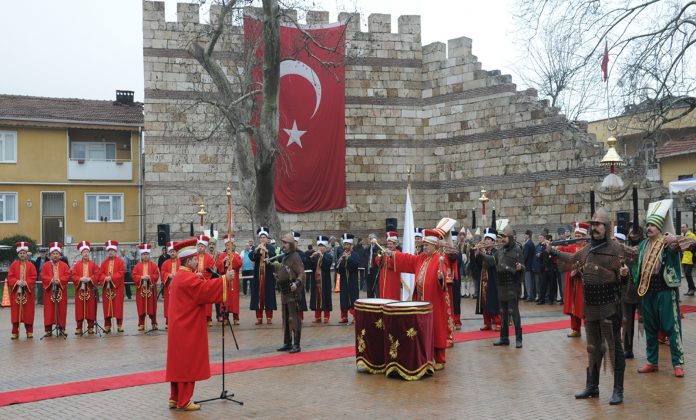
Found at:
(81, 111)
(677, 147)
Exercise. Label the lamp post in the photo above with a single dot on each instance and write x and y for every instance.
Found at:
(202, 213)
(483, 200)
(612, 188)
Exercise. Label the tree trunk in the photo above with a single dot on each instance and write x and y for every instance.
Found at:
(266, 213)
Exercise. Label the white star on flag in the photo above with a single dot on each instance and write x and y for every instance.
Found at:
(294, 134)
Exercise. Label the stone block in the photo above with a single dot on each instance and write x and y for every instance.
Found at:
(187, 13)
(379, 23)
(409, 24)
(153, 11)
(315, 17)
(351, 19)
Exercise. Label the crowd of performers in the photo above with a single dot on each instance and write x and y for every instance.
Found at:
(609, 278)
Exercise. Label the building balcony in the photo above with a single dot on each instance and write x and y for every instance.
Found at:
(100, 170)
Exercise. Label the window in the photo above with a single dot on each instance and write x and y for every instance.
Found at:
(104, 207)
(8, 147)
(93, 151)
(8, 207)
(681, 177)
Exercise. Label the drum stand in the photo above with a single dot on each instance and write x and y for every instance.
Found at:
(224, 395)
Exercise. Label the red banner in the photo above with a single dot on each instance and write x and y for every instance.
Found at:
(310, 167)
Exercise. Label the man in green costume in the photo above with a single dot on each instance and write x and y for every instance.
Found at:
(657, 274)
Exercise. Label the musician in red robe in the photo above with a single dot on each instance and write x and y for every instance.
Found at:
(430, 269)
(572, 292)
(169, 269)
(21, 279)
(228, 264)
(55, 276)
(85, 277)
(145, 276)
(204, 268)
(187, 341)
(111, 275)
(389, 278)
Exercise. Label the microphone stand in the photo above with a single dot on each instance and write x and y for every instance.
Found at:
(97, 327)
(224, 394)
(59, 331)
(153, 290)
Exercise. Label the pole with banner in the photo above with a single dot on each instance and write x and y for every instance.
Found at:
(409, 243)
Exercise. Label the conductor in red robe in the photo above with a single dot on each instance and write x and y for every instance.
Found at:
(187, 342)
(85, 277)
(203, 269)
(55, 276)
(389, 278)
(430, 268)
(229, 264)
(145, 275)
(21, 278)
(573, 300)
(111, 275)
(169, 268)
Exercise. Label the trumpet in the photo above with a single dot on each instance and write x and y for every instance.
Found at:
(381, 248)
(268, 260)
(482, 245)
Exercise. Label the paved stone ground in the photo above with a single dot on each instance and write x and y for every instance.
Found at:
(479, 381)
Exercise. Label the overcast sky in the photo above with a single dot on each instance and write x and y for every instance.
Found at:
(91, 48)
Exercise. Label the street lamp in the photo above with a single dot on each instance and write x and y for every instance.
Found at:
(202, 213)
(612, 182)
(483, 200)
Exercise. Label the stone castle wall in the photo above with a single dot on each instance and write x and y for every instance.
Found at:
(432, 109)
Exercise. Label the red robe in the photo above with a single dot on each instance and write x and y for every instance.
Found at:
(205, 262)
(232, 303)
(22, 307)
(573, 298)
(389, 279)
(85, 301)
(112, 298)
(62, 271)
(428, 289)
(170, 266)
(146, 298)
(187, 340)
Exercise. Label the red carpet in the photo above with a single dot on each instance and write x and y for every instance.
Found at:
(157, 376)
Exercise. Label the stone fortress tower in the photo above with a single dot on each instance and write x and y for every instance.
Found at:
(431, 108)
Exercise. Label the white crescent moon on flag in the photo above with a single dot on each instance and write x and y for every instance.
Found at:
(301, 69)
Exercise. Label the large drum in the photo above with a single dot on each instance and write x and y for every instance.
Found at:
(369, 334)
(409, 346)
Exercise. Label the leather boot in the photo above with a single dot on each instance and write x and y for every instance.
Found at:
(518, 338)
(286, 347)
(617, 396)
(296, 344)
(287, 339)
(592, 385)
(502, 342)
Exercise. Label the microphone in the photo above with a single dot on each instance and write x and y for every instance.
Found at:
(213, 272)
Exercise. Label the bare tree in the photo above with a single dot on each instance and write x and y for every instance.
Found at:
(651, 44)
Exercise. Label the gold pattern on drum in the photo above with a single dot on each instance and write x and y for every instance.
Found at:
(361, 341)
(411, 333)
(393, 347)
(379, 324)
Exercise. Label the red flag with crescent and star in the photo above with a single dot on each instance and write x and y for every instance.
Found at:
(310, 167)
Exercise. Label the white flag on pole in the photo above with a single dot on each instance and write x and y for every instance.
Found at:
(408, 246)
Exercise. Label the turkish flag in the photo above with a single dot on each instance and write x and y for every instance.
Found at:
(310, 167)
(605, 62)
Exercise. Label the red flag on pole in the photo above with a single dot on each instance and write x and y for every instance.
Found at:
(310, 168)
(605, 62)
